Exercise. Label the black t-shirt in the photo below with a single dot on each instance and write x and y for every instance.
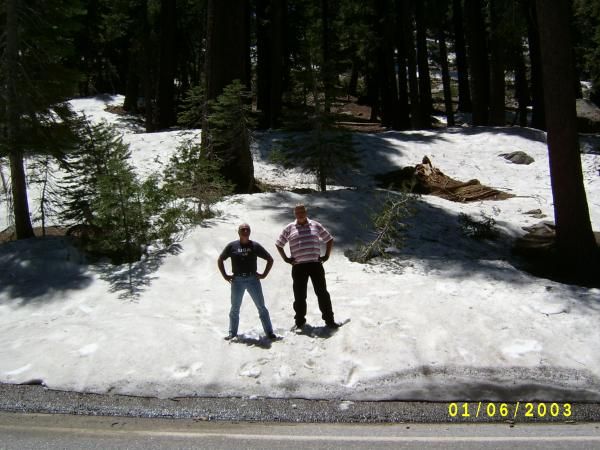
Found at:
(243, 256)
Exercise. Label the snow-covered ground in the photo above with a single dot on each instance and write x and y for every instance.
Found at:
(449, 318)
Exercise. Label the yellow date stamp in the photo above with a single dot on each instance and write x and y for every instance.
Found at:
(510, 411)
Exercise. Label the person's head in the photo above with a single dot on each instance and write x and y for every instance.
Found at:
(300, 213)
(244, 232)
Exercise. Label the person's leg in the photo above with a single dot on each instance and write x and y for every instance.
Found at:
(300, 278)
(237, 293)
(256, 293)
(317, 276)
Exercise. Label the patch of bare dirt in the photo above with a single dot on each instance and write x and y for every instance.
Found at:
(9, 234)
(355, 117)
(116, 109)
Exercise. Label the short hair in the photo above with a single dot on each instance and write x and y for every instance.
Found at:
(299, 205)
(243, 225)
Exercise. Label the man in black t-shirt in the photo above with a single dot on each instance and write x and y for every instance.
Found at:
(243, 254)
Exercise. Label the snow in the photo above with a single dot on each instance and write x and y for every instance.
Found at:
(449, 318)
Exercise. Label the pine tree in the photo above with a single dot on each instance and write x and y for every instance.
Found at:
(43, 172)
(324, 152)
(191, 176)
(227, 60)
(227, 134)
(119, 215)
(191, 112)
(36, 76)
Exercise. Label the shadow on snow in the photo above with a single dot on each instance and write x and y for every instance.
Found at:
(129, 281)
(36, 270)
(435, 239)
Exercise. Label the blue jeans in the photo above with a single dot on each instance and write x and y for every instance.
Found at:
(251, 284)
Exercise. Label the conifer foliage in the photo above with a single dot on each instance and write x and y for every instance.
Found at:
(227, 135)
(191, 112)
(323, 152)
(390, 224)
(116, 214)
(193, 177)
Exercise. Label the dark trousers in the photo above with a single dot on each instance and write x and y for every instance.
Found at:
(300, 274)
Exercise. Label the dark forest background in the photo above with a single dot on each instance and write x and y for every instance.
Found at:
(483, 62)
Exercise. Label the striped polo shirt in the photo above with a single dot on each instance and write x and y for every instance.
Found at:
(304, 240)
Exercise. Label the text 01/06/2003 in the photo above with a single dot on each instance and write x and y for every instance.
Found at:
(494, 410)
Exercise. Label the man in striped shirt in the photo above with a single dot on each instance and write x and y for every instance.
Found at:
(304, 236)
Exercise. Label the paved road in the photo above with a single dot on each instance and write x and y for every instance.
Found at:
(37, 399)
(38, 418)
(49, 431)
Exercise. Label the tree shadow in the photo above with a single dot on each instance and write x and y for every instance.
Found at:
(532, 134)
(130, 281)
(38, 270)
(375, 151)
(105, 98)
(434, 238)
(506, 384)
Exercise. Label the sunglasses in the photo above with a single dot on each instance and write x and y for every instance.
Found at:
(244, 229)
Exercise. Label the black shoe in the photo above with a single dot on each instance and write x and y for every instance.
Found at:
(332, 325)
(298, 327)
(230, 337)
(272, 336)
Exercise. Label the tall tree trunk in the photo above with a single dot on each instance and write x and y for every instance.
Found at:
(146, 68)
(411, 58)
(446, 78)
(226, 60)
(269, 72)
(577, 249)
(247, 79)
(225, 45)
(372, 82)
(327, 69)
(425, 100)
(278, 12)
(130, 103)
(401, 63)
(478, 62)
(264, 61)
(23, 228)
(353, 83)
(538, 115)
(497, 66)
(286, 77)
(462, 66)
(387, 67)
(168, 64)
(521, 88)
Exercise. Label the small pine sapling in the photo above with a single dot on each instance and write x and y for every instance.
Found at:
(43, 173)
(227, 135)
(118, 215)
(193, 177)
(191, 112)
(323, 151)
(485, 228)
(389, 227)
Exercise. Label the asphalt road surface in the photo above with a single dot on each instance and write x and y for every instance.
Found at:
(50, 431)
(38, 418)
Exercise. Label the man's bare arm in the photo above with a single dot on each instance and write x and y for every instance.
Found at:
(221, 266)
(284, 256)
(327, 251)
